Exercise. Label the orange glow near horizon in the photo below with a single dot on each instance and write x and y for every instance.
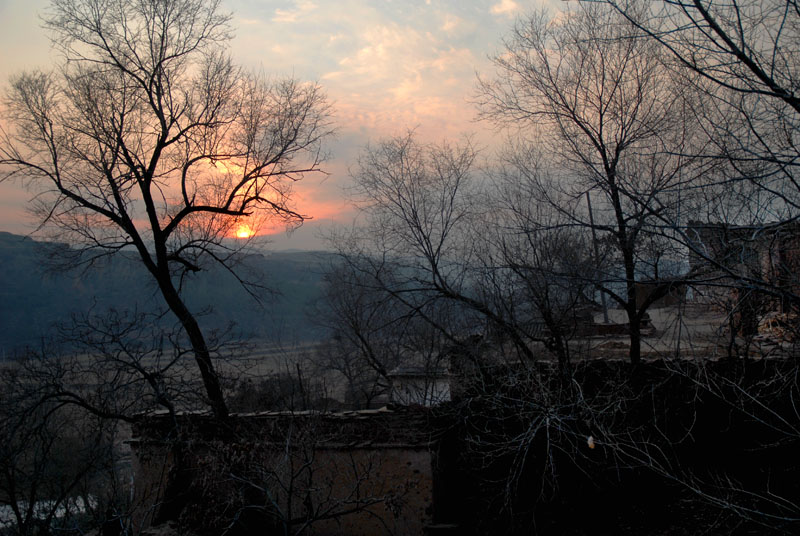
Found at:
(383, 69)
(244, 231)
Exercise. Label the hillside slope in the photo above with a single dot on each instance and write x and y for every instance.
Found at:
(35, 297)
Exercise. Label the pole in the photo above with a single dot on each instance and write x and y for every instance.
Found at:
(596, 255)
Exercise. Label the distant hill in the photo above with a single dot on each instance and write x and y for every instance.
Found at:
(33, 297)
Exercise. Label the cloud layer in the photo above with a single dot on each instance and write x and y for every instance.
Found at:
(386, 65)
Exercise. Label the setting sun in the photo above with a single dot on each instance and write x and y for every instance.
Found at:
(244, 231)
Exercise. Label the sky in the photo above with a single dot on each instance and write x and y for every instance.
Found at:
(386, 65)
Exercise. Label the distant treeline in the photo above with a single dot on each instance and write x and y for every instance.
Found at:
(36, 295)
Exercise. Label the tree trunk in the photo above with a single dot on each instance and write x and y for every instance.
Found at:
(631, 308)
(201, 353)
(636, 340)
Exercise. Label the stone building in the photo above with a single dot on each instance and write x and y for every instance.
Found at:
(724, 257)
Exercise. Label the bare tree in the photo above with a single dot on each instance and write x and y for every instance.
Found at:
(473, 260)
(741, 57)
(413, 242)
(116, 365)
(549, 264)
(64, 409)
(51, 454)
(373, 336)
(408, 247)
(149, 138)
(601, 102)
(365, 338)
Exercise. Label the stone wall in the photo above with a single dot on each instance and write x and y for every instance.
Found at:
(354, 473)
(677, 447)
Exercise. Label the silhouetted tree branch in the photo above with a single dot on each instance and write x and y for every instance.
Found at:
(149, 138)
